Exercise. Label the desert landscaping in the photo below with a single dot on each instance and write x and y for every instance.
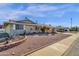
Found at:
(34, 43)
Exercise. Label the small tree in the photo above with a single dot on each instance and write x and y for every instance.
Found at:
(42, 29)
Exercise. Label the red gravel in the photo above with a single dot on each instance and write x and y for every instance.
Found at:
(33, 43)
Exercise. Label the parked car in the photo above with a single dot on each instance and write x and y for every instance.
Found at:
(3, 36)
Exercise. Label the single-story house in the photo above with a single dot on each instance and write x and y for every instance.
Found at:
(13, 27)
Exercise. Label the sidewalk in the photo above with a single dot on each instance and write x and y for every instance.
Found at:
(58, 48)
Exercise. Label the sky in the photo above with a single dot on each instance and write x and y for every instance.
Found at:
(43, 13)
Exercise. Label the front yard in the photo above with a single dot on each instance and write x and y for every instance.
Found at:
(34, 43)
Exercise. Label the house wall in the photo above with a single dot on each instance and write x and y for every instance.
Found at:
(8, 28)
(15, 31)
(29, 29)
(11, 29)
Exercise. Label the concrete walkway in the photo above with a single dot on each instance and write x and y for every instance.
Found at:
(59, 48)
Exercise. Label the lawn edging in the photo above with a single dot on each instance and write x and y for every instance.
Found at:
(11, 44)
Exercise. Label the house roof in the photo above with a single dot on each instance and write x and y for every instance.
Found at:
(26, 22)
(22, 21)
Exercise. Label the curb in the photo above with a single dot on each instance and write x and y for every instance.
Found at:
(10, 45)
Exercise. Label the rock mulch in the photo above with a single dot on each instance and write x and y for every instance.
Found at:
(34, 43)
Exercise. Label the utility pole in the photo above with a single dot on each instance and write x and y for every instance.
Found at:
(71, 22)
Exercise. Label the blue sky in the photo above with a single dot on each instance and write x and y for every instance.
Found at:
(44, 13)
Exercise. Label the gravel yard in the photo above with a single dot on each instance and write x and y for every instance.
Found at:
(33, 43)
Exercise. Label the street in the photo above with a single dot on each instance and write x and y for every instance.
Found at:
(74, 51)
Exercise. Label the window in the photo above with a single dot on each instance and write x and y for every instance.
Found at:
(19, 27)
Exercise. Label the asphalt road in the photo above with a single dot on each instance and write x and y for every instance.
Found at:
(74, 51)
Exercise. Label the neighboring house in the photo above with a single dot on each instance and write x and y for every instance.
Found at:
(1, 26)
(13, 27)
(62, 29)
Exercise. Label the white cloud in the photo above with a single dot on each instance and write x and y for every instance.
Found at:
(42, 8)
(50, 10)
(7, 13)
(33, 10)
(16, 13)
